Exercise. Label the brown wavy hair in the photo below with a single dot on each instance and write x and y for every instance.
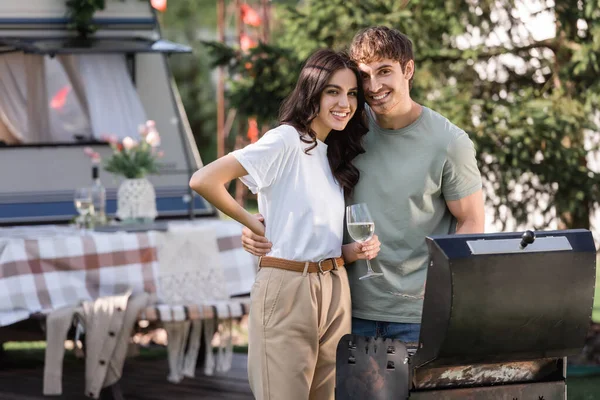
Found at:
(302, 106)
(378, 42)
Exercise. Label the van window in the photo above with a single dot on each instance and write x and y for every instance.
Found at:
(66, 99)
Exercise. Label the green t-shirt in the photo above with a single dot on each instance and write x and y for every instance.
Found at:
(406, 176)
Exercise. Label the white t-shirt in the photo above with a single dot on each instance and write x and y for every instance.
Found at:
(302, 203)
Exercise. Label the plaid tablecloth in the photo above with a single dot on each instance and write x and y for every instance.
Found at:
(48, 272)
(239, 267)
(45, 268)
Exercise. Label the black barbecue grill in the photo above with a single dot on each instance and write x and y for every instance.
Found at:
(501, 313)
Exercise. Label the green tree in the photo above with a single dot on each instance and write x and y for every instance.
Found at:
(261, 78)
(188, 22)
(528, 103)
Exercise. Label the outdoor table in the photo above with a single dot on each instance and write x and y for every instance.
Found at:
(43, 268)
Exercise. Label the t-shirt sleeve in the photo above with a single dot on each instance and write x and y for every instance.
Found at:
(461, 176)
(263, 160)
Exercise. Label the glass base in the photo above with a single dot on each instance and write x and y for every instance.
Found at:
(370, 275)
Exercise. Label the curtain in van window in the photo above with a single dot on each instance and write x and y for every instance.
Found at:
(13, 96)
(66, 105)
(36, 101)
(69, 64)
(113, 102)
(6, 135)
(38, 118)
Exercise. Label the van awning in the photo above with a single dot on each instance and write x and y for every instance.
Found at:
(78, 45)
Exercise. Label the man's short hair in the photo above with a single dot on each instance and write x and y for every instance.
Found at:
(379, 42)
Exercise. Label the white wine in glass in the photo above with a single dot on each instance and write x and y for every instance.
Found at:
(83, 202)
(361, 228)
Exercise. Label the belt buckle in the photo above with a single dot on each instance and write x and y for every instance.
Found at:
(333, 264)
(320, 266)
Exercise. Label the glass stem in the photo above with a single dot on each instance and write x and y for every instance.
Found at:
(369, 269)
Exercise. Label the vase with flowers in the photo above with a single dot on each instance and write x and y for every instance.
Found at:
(135, 160)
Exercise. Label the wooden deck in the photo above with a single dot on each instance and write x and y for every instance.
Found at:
(144, 378)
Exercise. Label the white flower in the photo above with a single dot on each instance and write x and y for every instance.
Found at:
(129, 143)
(142, 131)
(153, 138)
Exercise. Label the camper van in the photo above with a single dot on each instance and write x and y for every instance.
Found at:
(61, 92)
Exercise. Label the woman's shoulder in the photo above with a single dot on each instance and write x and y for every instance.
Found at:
(286, 134)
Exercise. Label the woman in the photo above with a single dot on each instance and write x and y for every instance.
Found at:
(301, 170)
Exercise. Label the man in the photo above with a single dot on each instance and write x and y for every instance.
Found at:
(419, 177)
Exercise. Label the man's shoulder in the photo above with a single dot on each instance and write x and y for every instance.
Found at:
(442, 124)
(445, 133)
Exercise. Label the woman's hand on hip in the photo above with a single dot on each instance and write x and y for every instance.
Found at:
(254, 243)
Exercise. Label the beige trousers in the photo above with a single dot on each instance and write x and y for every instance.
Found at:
(296, 321)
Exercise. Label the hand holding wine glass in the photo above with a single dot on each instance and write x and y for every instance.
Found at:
(361, 228)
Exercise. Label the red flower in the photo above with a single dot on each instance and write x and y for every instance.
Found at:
(246, 42)
(252, 130)
(249, 16)
(160, 5)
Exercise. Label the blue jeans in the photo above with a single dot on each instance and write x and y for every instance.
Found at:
(404, 332)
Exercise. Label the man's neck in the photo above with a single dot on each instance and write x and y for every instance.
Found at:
(401, 118)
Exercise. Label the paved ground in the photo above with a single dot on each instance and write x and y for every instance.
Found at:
(144, 378)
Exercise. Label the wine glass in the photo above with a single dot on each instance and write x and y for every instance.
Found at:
(361, 228)
(83, 203)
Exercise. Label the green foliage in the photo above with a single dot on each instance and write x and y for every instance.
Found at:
(186, 18)
(529, 104)
(133, 163)
(332, 24)
(263, 77)
(191, 22)
(187, 21)
(81, 13)
(192, 75)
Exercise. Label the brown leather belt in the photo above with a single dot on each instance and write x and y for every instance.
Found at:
(327, 264)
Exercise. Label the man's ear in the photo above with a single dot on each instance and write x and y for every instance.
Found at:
(409, 69)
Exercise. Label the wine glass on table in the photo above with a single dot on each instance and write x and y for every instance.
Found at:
(361, 228)
(83, 204)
